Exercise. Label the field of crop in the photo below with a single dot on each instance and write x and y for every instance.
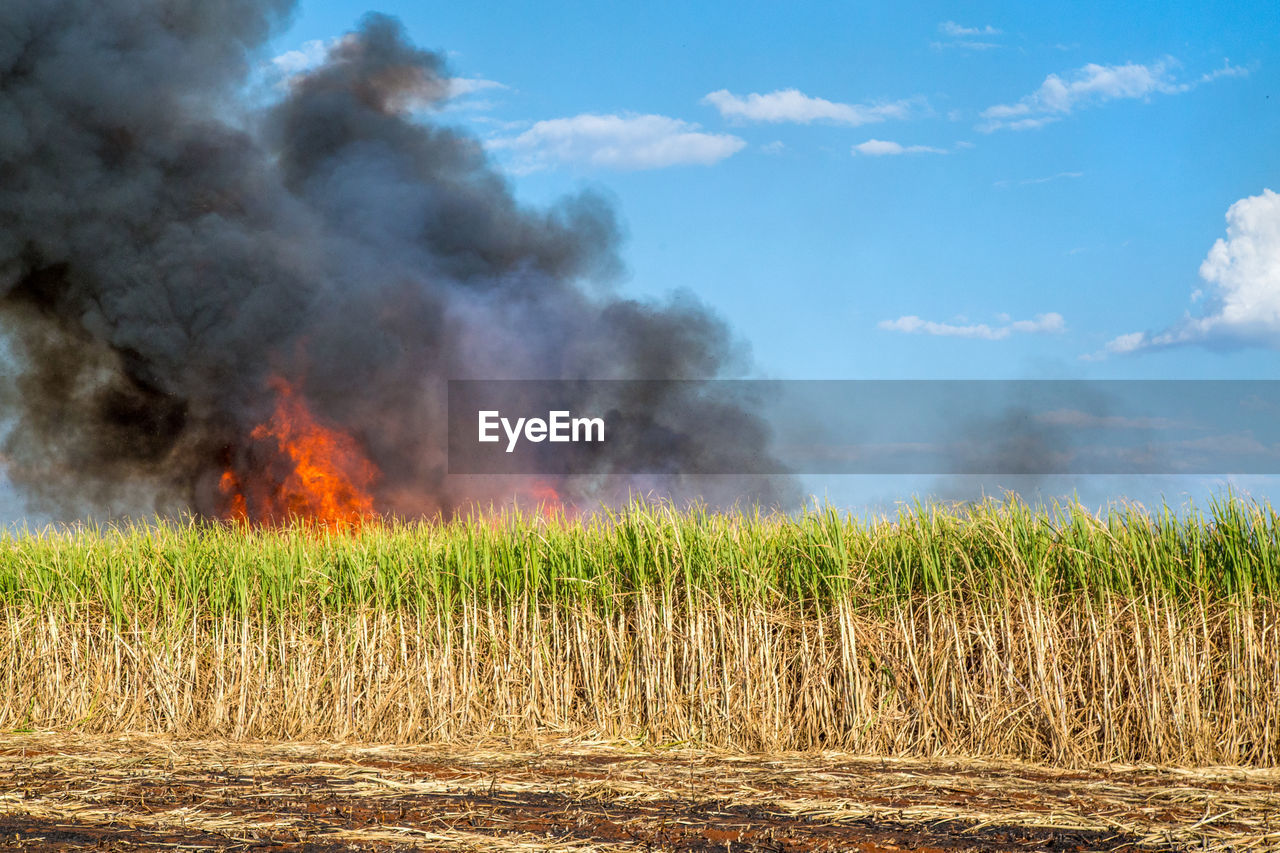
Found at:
(992, 631)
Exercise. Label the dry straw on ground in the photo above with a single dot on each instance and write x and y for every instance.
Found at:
(568, 795)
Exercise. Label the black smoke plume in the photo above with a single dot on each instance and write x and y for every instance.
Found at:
(167, 246)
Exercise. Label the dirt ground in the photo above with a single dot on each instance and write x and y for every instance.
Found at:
(59, 792)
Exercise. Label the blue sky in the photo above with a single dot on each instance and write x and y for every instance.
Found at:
(987, 190)
(991, 190)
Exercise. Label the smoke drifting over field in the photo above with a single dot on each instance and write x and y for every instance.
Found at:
(171, 259)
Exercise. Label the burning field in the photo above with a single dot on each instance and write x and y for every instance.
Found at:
(232, 306)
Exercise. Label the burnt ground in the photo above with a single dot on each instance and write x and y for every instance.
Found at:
(61, 792)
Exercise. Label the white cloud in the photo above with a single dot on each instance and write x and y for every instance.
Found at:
(616, 142)
(967, 44)
(775, 147)
(792, 105)
(1227, 70)
(1092, 84)
(954, 30)
(1057, 177)
(1242, 296)
(462, 86)
(1120, 345)
(310, 55)
(882, 147)
(969, 38)
(1050, 322)
(1044, 180)
(911, 324)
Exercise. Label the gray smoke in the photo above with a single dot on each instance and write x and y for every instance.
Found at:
(165, 249)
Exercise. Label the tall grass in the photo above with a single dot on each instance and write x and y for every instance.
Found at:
(991, 629)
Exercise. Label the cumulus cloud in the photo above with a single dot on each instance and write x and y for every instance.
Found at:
(913, 325)
(1092, 84)
(883, 147)
(792, 105)
(1242, 296)
(616, 142)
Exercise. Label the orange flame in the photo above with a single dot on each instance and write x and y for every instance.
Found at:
(546, 496)
(229, 485)
(547, 499)
(327, 479)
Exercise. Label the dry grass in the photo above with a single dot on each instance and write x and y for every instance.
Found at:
(1065, 682)
(547, 794)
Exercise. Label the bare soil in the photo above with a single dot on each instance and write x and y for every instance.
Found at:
(59, 792)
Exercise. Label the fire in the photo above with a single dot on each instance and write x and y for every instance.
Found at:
(229, 485)
(545, 496)
(322, 476)
(547, 499)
